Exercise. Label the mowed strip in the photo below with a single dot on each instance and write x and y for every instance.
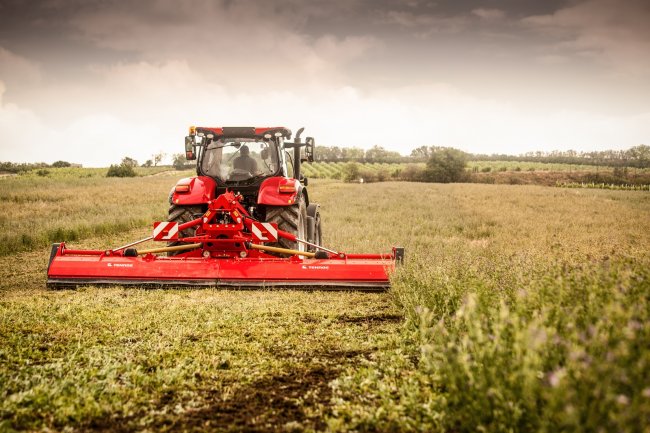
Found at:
(123, 359)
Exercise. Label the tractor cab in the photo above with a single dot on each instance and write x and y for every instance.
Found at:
(238, 157)
(241, 160)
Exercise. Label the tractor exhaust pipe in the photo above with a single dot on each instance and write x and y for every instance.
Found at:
(296, 155)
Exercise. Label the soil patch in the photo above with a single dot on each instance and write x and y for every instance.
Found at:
(371, 319)
(270, 404)
(376, 319)
(291, 401)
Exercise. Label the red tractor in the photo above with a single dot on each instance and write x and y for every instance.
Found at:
(262, 166)
(245, 220)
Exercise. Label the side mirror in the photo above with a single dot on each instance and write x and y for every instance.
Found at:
(190, 143)
(310, 144)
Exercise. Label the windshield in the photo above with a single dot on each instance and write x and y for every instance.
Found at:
(237, 159)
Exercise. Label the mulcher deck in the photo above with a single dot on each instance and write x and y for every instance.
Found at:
(350, 273)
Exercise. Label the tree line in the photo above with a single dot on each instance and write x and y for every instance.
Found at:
(637, 156)
(22, 167)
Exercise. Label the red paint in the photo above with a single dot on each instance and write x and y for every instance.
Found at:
(269, 192)
(258, 131)
(202, 190)
(224, 258)
(272, 270)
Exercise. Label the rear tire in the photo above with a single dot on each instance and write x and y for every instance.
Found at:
(181, 215)
(292, 219)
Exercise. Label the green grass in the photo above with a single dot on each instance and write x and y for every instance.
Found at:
(604, 186)
(36, 211)
(84, 173)
(169, 359)
(531, 308)
(519, 308)
(540, 166)
(334, 170)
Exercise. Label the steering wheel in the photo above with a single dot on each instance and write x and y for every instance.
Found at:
(239, 174)
(241, 171)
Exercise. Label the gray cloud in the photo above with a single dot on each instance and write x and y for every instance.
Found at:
(517, 71)
(613, 32)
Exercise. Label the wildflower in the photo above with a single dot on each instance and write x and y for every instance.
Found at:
(555, 377)
(622, 400)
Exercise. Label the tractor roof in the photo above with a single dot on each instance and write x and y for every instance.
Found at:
(243, 131)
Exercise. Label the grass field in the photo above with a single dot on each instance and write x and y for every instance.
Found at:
(520, 308)
(76, 204)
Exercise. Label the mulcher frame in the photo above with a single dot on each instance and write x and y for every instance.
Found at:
(228, 250)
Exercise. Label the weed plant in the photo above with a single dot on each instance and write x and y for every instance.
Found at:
(530, 309)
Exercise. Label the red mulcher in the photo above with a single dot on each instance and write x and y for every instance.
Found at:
(244, 221)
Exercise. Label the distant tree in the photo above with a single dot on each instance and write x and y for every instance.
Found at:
(129, 162)
(421, 153)
(376, 153)
(179, 161)
(60, 164)
(335, 153)
(329, 153)
(445, 165)
(148, 163)
(354, 153)
(158, 157)
(639, 155)
(13, 167)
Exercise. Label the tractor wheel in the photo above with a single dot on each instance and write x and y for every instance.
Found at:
(292, 219)
(181, 215)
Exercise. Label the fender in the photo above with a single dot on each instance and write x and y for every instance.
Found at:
(193, 190)
(281, 191)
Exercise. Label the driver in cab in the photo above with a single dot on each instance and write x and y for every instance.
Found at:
(244, 161)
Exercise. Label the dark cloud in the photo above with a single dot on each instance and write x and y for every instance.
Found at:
(109, 64)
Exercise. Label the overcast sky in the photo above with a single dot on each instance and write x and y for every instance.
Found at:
(93, 81)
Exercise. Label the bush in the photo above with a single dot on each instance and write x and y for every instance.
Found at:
(383, 174)
(180, 162)
(620, 172)
(121, 170)
(368, 175)
(486, 169)
(412, 173)
(445, 165)
(129, 162)
(350, 172)
(60, 164)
